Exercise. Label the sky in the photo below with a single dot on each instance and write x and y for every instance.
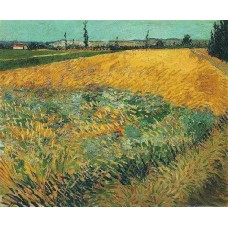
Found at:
(102, 30)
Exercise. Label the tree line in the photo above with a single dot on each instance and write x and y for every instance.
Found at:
(218, 44)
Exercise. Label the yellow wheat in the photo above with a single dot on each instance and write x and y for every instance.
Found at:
(180, 76)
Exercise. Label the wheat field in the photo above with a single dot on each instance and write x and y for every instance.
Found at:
(112, 124)
(181, 76)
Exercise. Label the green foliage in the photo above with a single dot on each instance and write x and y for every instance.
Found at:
(86, 36)
(187, 41)
(198, 124)
(147, 40)
(218, 45)
(68, 190)
(159, 44)
(70, 158)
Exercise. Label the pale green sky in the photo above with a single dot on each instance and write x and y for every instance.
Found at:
(102, 30)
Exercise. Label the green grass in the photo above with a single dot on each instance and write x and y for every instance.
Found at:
(18, 54)
(55, 151)
(196, 178)
(12, 59)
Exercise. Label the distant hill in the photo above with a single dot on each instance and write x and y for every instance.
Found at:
(152, 41)
(128, 43)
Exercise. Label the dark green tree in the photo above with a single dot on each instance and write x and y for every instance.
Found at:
(147, 40)
(187, 41)
(65, 39)
(159, 44)
(33, 46)
(218, 44)
(117, 43)
(86, 36)
(73, 45)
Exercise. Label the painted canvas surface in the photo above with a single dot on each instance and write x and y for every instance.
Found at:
(113, 113)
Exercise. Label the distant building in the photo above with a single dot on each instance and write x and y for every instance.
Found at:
(20, 46)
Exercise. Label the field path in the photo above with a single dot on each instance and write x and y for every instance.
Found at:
(202, 53)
